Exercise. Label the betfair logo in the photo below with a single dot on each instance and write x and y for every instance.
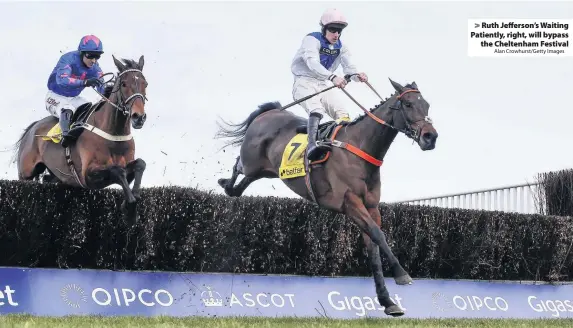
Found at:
(295, 170)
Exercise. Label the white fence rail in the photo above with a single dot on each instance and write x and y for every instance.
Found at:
(514, 198)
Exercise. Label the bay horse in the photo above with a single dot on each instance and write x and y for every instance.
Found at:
(346, 179)
(101, 155)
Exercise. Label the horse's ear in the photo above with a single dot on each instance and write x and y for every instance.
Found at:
(396, 85)
(120, 66)
(141, 62)
(414, 85)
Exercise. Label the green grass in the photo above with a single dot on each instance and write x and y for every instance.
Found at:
(170, 322)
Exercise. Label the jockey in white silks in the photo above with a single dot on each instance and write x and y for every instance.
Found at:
(313, 67)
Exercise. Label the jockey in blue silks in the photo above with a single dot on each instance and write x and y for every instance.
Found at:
(74, 71)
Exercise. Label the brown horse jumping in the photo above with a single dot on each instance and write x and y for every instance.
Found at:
(103, 154)
(346, 178)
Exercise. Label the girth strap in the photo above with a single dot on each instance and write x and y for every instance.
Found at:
(72, 167)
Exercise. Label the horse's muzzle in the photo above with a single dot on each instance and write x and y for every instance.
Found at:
(137, 120)
(428, 140)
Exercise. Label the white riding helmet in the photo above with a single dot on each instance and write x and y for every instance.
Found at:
(334, 18)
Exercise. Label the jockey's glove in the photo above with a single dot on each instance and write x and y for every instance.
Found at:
(94, 81)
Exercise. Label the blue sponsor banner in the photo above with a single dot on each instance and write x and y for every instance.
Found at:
(60, 292)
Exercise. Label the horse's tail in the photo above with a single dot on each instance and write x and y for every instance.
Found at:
(237, 131)
(16, 147)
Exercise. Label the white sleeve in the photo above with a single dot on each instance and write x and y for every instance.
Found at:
(348, 66)
(310, 47)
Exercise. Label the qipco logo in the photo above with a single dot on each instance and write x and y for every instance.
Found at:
(126, 296)
(477, 303)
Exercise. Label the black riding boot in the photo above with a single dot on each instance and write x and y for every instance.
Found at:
(65, 118)
(313, 151)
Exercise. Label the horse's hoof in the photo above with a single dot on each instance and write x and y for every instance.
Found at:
(394, 310)
(403, 280)
(126, 207)
(222, 183)
(130, 211)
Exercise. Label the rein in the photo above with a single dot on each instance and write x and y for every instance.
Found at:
(408, 131)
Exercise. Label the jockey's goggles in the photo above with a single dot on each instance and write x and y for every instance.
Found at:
(334, 30)
(92, 55)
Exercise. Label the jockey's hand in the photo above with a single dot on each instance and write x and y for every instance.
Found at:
(94, 81)
(339, 82)
(362, 77)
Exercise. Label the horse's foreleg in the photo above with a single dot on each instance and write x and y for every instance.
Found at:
(354, 208)
(377, 273)
(228, 184)
(118, 175)
(135, 171)
(400, 275)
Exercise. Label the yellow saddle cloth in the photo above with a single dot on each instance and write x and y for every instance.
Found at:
(292, 164)
(55, 134)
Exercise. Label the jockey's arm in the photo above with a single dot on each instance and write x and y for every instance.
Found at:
(311, 56)
(348, 66)
(64, 74)
(98, 74)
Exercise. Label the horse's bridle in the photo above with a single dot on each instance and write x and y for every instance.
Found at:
(121, 104)
(413, 134)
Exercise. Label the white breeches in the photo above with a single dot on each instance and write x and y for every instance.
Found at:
(55, 103)
(327, 103)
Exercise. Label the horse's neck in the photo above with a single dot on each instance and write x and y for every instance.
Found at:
(372, 137)
(111, 120)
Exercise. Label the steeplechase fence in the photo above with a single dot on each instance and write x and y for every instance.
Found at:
(70, 251)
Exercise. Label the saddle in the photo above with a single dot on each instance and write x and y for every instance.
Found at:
(79, 117)
(325, 129)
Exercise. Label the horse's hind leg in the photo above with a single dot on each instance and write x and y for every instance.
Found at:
(228, 184)
(31, 171)
(238, 190)
(29, 165)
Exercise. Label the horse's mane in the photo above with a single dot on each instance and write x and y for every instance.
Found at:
(361, 117)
